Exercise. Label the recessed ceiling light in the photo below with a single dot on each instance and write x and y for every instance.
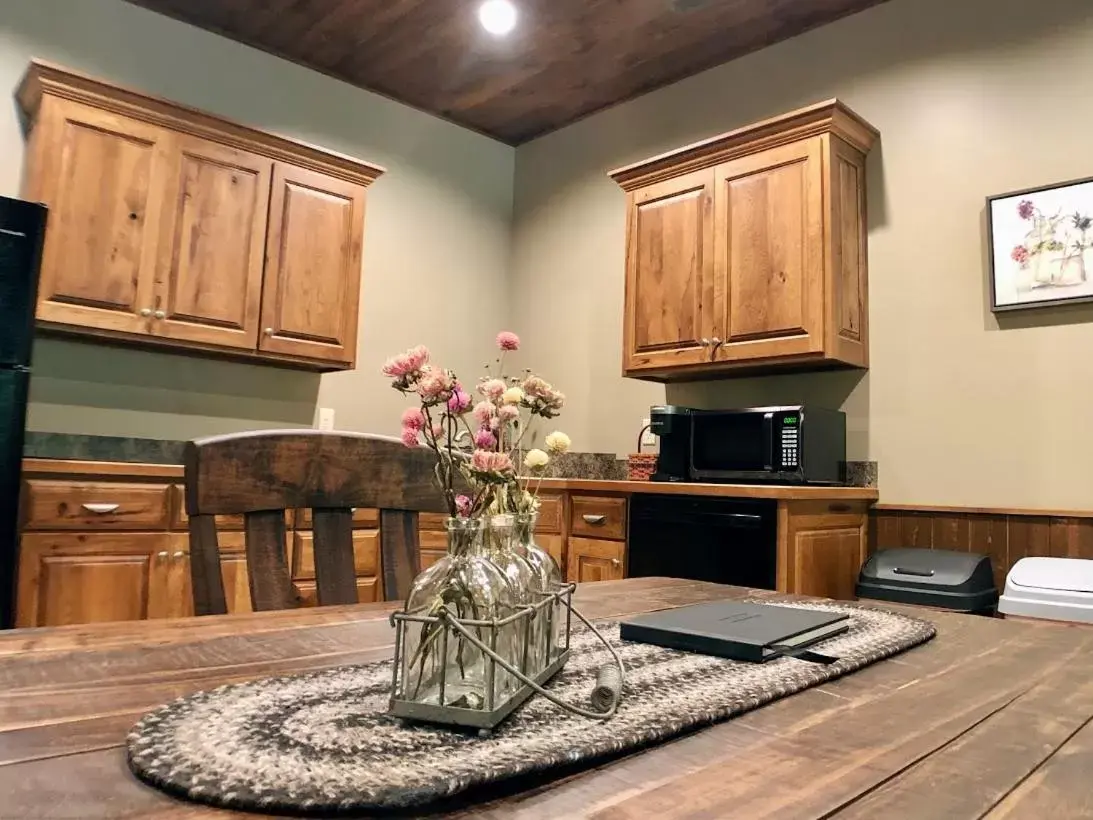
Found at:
(497, 16)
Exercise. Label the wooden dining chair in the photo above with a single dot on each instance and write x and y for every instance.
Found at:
(262, 474)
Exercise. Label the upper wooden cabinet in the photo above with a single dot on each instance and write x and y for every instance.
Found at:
(314, 267)
(747, 251)
(170, 227)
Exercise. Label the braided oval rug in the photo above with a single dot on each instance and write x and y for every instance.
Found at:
(321, 743)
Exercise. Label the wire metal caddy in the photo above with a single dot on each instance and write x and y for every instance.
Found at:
(484, 635)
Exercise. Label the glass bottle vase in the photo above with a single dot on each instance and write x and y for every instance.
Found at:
(549, 631)
(439, 666)
(497, 540)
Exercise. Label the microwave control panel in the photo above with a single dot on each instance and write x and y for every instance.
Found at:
(791, 441)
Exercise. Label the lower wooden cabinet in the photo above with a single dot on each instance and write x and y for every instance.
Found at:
(593, 559)
(821, 548)
(73, 578)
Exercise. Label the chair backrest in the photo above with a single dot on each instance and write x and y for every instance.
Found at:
(262, 474)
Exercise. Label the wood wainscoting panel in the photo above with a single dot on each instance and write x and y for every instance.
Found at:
(1006, 536)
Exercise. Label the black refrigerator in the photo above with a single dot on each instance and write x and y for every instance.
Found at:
(22, 231)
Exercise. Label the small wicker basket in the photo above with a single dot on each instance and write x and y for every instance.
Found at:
(641, 466)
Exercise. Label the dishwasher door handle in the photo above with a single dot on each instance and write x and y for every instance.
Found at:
(750, 518)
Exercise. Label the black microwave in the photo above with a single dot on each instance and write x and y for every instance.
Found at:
(795, 444)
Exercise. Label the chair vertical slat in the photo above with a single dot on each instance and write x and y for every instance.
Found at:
(206, 579)
(267, 570)
(335, 570)
(399, 553)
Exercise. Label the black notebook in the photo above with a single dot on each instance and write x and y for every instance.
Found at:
(741, 631)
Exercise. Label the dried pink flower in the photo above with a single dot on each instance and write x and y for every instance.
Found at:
(483, 412)
(463, 505)
(406, 364)
(435, 385)
(484, 439)
(492, 389)
(1025, 209)
(507, 340)
(1020, 255)
(413, 419)
(542, 398)
(484, 461)
(508, 412)
(409, 437)
(460, 401)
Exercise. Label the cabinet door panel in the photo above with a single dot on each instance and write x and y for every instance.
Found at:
(209, 281)
(70, 578)
(593, 560)
(105, 200)
(668, 272)
(366, 554)
(827, 562)
(311, 289)
(233, 568)
(770, 253)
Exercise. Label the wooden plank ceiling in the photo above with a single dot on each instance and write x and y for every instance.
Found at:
(566, 58)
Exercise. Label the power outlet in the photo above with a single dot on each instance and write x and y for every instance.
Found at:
(326, 418)
(648, 438)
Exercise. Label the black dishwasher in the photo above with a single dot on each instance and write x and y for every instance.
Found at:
(724, 540)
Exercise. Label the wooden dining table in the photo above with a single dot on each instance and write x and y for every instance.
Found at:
(989, 719)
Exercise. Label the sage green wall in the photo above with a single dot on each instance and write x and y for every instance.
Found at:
(436, 248)
(972, 98)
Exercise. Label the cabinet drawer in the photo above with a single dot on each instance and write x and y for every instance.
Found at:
(597, 517)
(431, 521)
(51, 505)
(432, 540)
(366, 554)
(362, 517)
(224, 523)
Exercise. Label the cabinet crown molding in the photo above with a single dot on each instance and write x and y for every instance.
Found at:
(828, 117)
(43, 78)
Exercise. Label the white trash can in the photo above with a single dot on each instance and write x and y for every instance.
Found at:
(1056, 589)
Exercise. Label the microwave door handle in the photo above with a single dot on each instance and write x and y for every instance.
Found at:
(768, 437)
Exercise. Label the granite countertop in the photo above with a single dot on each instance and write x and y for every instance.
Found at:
(591, 472)
(794, 492)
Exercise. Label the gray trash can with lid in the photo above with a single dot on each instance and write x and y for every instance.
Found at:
(959, 581)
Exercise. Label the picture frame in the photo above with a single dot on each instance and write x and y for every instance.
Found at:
(1040, 246)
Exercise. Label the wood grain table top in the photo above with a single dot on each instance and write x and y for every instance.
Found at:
(990, 719)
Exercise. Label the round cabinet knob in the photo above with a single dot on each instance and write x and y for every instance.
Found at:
(716, 342)
(145, 311)
(159, 314)
(179, 554)
(161, 554)
(268, 331)
(615, 562)
(705, 342)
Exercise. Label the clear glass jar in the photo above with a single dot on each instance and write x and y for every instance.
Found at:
(497, 539)
(550, 626)
(439, 666)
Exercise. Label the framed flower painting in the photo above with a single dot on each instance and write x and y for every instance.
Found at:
(1041, 246)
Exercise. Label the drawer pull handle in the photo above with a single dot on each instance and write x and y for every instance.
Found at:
(594, 520)
(101, 509)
